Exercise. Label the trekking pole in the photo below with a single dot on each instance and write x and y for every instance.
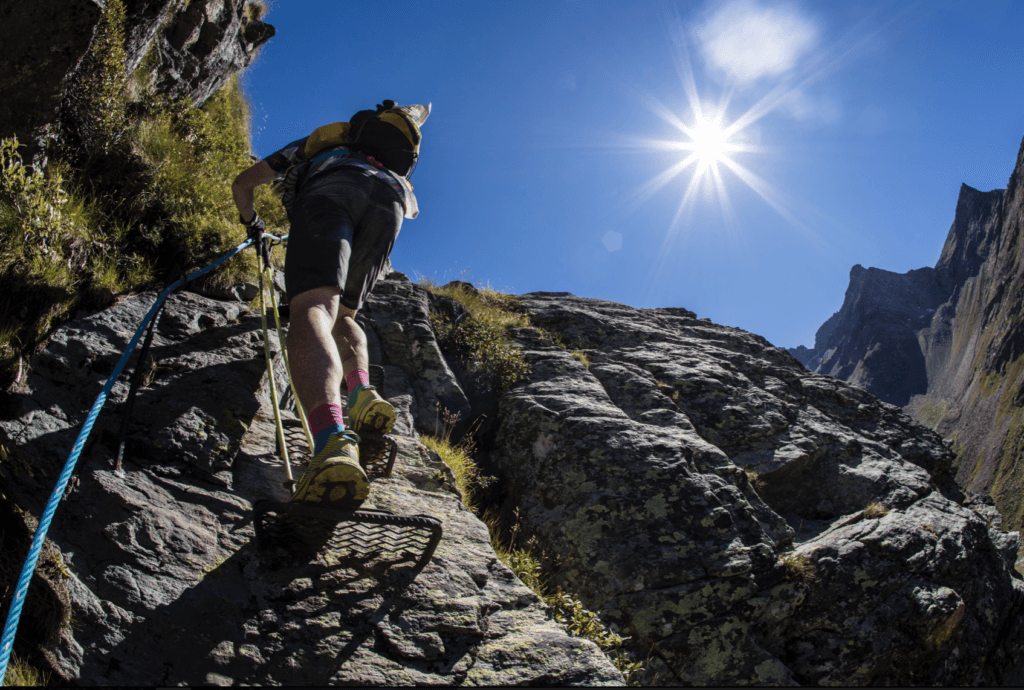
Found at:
(263, 249)
(287, 365)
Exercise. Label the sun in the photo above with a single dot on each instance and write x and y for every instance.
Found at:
(709, 141)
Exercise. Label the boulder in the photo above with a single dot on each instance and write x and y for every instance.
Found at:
(744, 520)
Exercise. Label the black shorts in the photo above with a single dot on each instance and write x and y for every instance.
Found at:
(343, 227)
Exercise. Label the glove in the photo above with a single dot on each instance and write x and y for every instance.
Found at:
(256, 225)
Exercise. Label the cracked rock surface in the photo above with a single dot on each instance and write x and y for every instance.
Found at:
(741, 519)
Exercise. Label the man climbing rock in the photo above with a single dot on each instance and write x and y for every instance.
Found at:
(346, 189)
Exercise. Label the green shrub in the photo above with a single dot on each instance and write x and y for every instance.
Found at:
(480, 339)
(73, 238)
(484, 304)
(482, 344)
(48, 239)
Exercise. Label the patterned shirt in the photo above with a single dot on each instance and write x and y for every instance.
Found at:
(341, 156)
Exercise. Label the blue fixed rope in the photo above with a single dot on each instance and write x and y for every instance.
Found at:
(13, 616)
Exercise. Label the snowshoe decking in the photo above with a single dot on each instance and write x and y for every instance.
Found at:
(292, 531)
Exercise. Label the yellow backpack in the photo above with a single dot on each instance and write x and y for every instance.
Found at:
(390, 135)
(322, 139)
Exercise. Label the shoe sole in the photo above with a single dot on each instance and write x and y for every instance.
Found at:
(380, 418)
(341, 486)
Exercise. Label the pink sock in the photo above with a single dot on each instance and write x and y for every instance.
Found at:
(325, 417)
(324, 422)
(357, 377)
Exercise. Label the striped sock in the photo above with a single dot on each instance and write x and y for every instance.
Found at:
(356, 381)
(324, 422)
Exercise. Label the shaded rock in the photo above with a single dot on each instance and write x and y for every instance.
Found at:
(33, 71)
(165, 585)
(241, 292)
(400, 314)
(207, 42)
(205, 365)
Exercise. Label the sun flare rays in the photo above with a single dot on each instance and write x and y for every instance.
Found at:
(710, 145)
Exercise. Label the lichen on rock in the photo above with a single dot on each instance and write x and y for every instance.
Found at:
(641, 502)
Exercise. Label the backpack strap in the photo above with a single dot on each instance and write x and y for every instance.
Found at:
(328, 136)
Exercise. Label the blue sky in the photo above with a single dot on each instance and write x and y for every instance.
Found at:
(733, 158)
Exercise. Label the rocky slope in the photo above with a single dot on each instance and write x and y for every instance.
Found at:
(691, 479)
(946, 342)
(160, 574)
(198, 46)
(696, 485)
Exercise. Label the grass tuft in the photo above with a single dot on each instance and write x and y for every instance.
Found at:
(799, 567)
(875, 510)
(581, 357)
(755, 480)
(20, 674)
(255, 10)
(457, 456)
(480, 340)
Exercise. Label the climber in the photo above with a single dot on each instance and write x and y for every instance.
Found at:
(346, 191)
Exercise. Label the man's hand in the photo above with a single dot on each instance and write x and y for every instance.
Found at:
(255, 224)
(245, 183)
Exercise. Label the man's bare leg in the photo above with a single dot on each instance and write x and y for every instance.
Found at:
(316, 362)
(368, 411)
(335, 478)
(350, 341)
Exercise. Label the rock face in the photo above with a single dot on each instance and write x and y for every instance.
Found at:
(946, 343)
(707, 494)
(33, 72)
(42, 43)
(740, 518)
(206, 42)
(162, 578)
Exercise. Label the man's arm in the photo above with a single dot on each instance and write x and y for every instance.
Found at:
(243, 186)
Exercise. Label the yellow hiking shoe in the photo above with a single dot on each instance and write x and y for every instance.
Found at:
(371, 412)
(334, 479)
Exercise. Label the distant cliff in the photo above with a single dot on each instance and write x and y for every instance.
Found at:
(872, 341)
(946, 342)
